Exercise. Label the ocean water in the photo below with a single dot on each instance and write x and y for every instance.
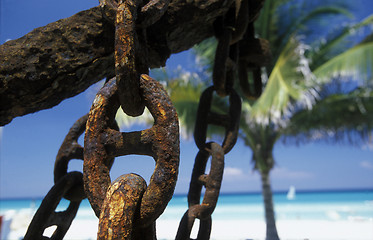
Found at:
(333, 205)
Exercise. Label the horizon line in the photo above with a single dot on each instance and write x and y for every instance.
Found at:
(233, 193)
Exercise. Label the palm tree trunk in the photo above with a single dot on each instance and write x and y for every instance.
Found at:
(271, 232)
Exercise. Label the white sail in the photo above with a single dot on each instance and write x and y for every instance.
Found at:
(291, 193)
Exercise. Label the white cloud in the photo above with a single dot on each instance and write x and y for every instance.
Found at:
(366, 164)
(284, 173)
(233, 172)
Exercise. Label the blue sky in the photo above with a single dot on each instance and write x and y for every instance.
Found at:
(29, 144)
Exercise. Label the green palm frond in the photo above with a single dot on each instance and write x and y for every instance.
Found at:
(205, 53)
(290, 80)
(265, 26)
(356, 62)
(325, 51)
(299, 22)
(185, 95)
(338, 116)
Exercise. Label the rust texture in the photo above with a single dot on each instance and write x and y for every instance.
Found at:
(120, 206)
(46, 215)
(219, 74)
(128, 64)
(205, 117)
(71, 149)
(186, 225)
(211, 181)
(254, 54)
(62, 59)
(54, 62)
(161, 141)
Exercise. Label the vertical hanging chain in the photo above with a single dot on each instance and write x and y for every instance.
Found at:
(127, 208)
(254, 54)
(130, 50)
(235, 34)
(223, 79)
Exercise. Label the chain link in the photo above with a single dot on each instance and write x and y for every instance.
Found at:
(212, 182)
(254, 54)
(127, 208)
(101, 142)
(46, 215)
(67, 185)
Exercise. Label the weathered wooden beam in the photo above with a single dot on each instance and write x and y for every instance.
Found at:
(63, 58)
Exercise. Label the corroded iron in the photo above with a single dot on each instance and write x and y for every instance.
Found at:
(221, 57)
(205, 117)
(225, 66)
(186, 225)
(161, 141)
(127, 208)
(46, 215)
(212, 183)
(120, 207)
(130, 49)
(127, 62)
(254, 54)
(70, 149)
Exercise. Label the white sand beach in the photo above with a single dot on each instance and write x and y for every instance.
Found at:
(353, 229)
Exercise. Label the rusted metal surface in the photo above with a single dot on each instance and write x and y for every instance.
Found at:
(130, 47)
(152, 11)
(254, 54)
(239, 51)
(221, 56)
(127, 208)
(120, 210)
(71, 149)
(212, 183)
(186, 225)
(46, 215)
(205, 117)
(121, 204)
(128, 64)
(62, 59)
(160, 141)
(224, 71)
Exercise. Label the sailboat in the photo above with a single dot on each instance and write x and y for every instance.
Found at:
(291, 193)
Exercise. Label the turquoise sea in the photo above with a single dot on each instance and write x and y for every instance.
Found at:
(315, 205)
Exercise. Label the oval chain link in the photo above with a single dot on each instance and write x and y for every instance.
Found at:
(160, 141)
(130, 47)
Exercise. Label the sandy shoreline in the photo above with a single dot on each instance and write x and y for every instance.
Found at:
(227, 229)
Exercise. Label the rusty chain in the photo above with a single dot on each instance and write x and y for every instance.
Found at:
(127, 208)
(67, 185)
(130, 51)
(46, 215)
(101, 142)
(223, 80)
